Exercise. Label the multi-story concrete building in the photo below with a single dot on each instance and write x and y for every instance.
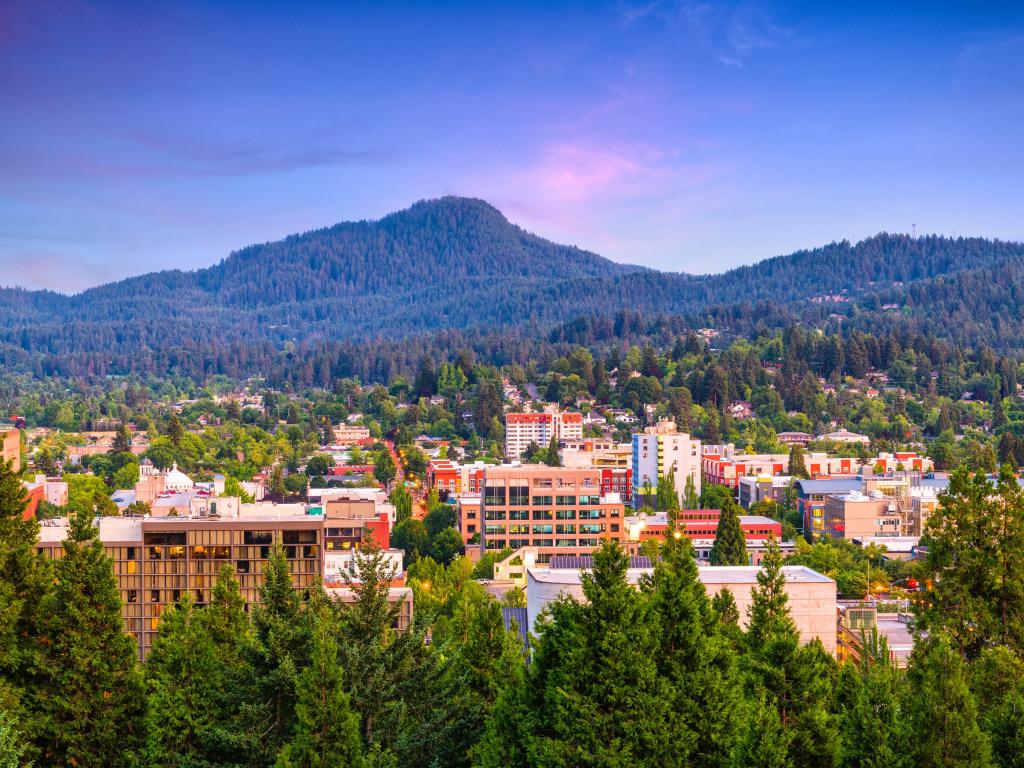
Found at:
(521, 429)
(158, 560)
(10, 445)
(558, 509)
(595, 452)
(660, 449)
(811, 596)
(751, 490)
(868, 505)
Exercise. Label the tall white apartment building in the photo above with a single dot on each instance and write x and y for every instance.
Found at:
(661, 449)
(521, 429)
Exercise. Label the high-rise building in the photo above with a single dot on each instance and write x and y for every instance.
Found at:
(521, 429)
(659, 450)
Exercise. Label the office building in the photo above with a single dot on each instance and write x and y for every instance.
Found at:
(521, 429)
(661, 449)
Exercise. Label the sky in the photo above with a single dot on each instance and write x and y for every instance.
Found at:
(687, 136)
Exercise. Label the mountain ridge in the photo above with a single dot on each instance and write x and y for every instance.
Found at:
(451, 264)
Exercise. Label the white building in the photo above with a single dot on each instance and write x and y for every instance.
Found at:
(659, 450)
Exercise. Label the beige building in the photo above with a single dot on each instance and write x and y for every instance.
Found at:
(350, 434)
(11, 445)
(558, 509)
(812, 597)
(884, 508)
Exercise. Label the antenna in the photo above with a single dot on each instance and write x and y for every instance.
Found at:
(914, 229)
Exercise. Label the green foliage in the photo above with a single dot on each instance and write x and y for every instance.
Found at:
(977, 595)
(384, 467)
(941, 713)
(89, 703)
(730, 547)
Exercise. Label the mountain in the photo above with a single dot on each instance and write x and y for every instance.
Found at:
(455, 269)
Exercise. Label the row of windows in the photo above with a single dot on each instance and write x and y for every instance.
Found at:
(517, 543)
(541, 529)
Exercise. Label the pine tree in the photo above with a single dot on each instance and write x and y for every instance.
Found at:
(25, 579)
(871, 724)
(997, 679)
(122, 440)
(277, 655)
(603, 702)
(796, 680)
(695, 657)
(798, 462)
(941, 711)
(182, 680)
(730, 547)
(12, 746)
(90, 703)
(326, 729)
(175, 431)
(977, 597)
(551, 457)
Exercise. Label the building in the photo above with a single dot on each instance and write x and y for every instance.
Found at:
(10, 444)
(351, 521)
(661, 449)
(155, 482)
(751, 490)
(884, 508)
(868, 505)
(702, 530)
(845, 436)
(521, 429)
(595, 452)
(557, 509)
(158, 560)
(811, 596)
(794, 438)
(350, 434)
(726, 467)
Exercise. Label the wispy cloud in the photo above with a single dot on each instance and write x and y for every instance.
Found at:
(731, 31)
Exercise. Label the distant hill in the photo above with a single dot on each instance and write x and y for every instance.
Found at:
(454, 266)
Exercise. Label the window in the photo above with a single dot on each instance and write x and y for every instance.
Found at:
(518, 496)
(299, 537)
(242, 566)
(519, 514)
(519, 529)
(565, 501)
(565, 542)
(165, 537)
(498, 514)
(154, 595)
(133, 596)
(542, 514)
(566, 514)
(590, 514)
(565, 529)
(494, 495)
(132, 553)
(542, 529)
(542, 501)
(258, 537)
(591, 527)
(310, 551)
(491, 530)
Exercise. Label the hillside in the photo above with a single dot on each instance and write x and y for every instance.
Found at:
(458, 266)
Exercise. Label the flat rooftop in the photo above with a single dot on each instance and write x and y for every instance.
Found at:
(708, 574)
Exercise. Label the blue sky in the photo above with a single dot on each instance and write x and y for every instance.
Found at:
(682, 135)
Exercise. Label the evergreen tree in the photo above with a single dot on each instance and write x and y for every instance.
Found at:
(941, 712)
(730, 547)
(695, 658)
(795, 679)
(182, 679)
(602, 700)
(977, 596)
(997, 679)
(89, 705)
(798, 462)
(12, 748)
(871, 724)
(25, 579)
(326, 729)
(551, 457)
(122, 440)
(276, 657)
(175, 431)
